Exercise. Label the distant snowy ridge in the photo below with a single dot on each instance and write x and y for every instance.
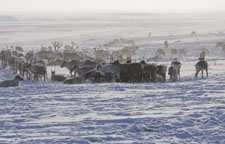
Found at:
(8, 18)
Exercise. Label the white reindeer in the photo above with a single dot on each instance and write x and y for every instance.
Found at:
(113, 70)
(174, 70)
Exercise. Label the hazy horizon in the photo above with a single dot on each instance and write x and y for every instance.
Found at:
(43, 7)
(101, 15)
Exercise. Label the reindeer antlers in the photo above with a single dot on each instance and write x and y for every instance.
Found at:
(57, 45)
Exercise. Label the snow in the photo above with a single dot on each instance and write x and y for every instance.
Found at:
(188, 111)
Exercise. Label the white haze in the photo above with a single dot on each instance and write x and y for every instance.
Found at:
(90, 6)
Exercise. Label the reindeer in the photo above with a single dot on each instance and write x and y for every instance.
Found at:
(71, 48)
(48, 55)
(72, 56)
(174, 52)
(11, 83)
(59, 78)
(200, 66)
(29, 55)
(149, 72)
(160, 52)
(93, 76)
(5, 56)
(166, 44)
(193, 34)
(161, 72)
(101, 54)
(219, 44)
(174, 70)
(74, 80)
(205, 50)
(20, 62)
(70, 65)
(149, 34)
(19, 49)
(43, 48)
(202, 55)
(129, 51)
(182, 52)
(57, 45)
(130, 72)
(223, 48)
(82, 70)
(109, 69)
(55, 62)
(35, 61)
(38, 71)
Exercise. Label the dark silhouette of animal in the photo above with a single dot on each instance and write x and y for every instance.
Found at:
(70, 65)
(161, 70)
(130, 72)
(38, 71)
(166, 44)
(11, 83)
(59, 78)
(200, 66)
(172, 72)
(150, 73)
(94, 76)
(193, 33)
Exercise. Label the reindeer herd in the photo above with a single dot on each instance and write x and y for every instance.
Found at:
(83, 68)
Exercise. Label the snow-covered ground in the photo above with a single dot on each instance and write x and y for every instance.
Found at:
(189, 111)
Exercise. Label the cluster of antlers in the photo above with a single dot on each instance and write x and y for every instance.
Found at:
(57, 45)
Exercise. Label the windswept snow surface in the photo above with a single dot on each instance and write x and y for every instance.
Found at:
(189, 111)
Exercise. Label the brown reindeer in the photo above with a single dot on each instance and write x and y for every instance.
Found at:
(200, 66)
(161, 70)
(174, 52)
(223, 48)
(130, 72)
(182, 52)
(160, 52)
(219, 45)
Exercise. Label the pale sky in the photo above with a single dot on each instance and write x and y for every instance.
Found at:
(89, 6)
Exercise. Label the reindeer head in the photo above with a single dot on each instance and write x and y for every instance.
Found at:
(17, 77)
